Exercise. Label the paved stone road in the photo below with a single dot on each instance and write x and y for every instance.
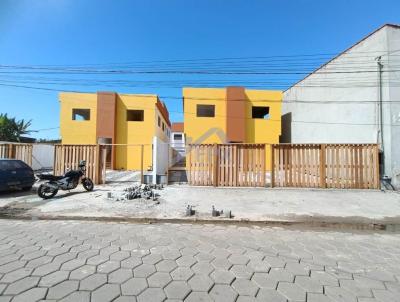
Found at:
(90, 261)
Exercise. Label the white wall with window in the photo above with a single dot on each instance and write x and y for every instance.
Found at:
(177, 139)
(177, 142)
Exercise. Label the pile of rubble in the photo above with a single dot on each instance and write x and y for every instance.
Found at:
(136, 191)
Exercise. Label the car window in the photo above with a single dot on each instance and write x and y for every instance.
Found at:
(7, 165)
(16, 164)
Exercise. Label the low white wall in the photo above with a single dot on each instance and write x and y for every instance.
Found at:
(160, 157)
(42, 156)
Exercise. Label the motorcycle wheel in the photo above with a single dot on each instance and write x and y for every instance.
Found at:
(87, 183)
(45, 192)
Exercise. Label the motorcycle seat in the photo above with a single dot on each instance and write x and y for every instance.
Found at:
(49, 177)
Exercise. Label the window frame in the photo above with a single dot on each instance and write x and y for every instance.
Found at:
(128, 111)
(266, 116)
(179, 134)
(75, 113)
(198, 110)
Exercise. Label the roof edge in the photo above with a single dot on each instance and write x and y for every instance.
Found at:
(397, 26)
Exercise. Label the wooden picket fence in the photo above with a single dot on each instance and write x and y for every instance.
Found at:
(241, 165)
(17, 151)
(69, 156)
(343, 166)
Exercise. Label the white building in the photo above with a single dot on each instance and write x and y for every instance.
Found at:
(177, 142)
(353, 98)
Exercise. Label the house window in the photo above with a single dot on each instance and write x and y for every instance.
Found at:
(260, 112)
(177, 137)
(163, 126)
(135, 115)
(159, 122)
(81, 114)
(205, 110)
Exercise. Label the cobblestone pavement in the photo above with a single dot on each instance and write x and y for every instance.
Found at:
(90, 261)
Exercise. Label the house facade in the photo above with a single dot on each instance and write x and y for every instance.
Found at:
(178, 141)
(122, 121)
(353, 98)
(232, 115)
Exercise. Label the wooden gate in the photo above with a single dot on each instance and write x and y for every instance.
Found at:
(17, 151)
(68, 157)
(228, 165)
(342, 166)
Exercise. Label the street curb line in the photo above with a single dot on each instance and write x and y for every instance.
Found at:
(220, 221)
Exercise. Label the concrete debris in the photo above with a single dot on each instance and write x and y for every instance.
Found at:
(189, 211)
(216, 213)
(137, 191)
(219, 213)
(228, 214)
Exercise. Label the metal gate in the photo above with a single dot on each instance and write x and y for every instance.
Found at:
(227, 165)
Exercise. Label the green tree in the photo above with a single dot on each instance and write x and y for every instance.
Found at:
(11, 130)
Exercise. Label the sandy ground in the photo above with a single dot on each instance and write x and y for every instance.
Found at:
(244, 203)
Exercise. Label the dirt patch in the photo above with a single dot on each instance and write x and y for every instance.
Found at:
(11, 211)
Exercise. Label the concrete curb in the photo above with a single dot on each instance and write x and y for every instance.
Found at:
(298, 224)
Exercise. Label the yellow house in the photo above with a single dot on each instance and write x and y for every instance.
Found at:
(232, 115)
(125, 121)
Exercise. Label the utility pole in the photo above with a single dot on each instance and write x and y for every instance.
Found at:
(380, 66)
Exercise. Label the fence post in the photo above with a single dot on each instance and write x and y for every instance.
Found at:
(215, 165)
(141, 166)
(322, 167)
(55, 160)
(377, 174)
(30, 154)
(97, 164)
(103, 164)
(188, 163)
(155, 160)
(272, 166)
(10, 150)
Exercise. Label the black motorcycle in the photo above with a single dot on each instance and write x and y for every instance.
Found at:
(68, 181)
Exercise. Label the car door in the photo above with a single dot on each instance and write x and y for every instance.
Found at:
(7, 174)
(24, 173)
(14, 175)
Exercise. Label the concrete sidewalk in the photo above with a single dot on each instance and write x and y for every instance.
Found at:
(246, 204)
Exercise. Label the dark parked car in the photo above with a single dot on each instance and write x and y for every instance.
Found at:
(15, 174)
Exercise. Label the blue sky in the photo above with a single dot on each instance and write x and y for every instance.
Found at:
(67, 32)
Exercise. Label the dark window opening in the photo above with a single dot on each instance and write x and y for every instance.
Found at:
(205, 110)
(159, 122)
(260, 112)
(163, 126)
(81, 114)
(177, 137)
(135, 115)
